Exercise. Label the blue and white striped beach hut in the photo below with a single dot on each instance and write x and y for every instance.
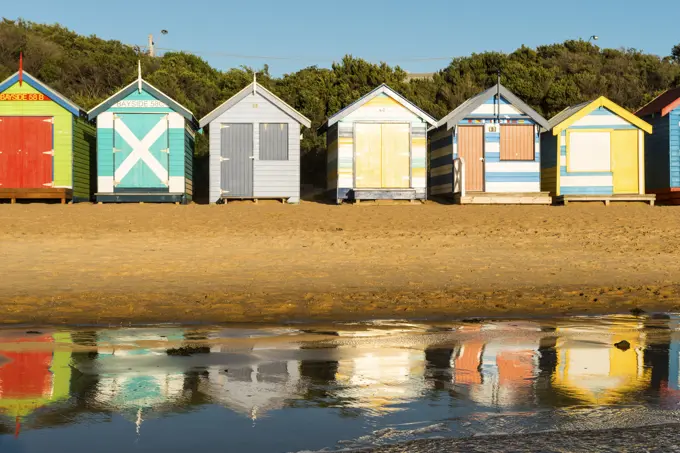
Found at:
(487, 151)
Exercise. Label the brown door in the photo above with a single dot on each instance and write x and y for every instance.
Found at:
(471, 149)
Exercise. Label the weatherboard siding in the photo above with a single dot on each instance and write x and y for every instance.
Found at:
(332, 158)
(189, 146)
(84, 145)
(441, 162)
(674, 143)
(271, 179)
(62, 129)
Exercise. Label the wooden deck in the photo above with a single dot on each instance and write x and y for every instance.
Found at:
(140, 197)
(226, 200)
(606, 199)
(503, 198)
(359, 195)
(49, 193)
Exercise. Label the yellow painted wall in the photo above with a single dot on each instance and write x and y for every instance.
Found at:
(63, 128)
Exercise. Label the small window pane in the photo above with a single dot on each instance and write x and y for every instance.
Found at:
(273, 141)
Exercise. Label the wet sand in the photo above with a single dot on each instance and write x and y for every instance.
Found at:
(111, 264)
(661, 439)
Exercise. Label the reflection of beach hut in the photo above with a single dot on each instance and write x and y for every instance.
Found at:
(46, 143)
(488, 151)
(145, 146)
(254, 390)
(130, 383)
(595, 151)
(378, 380)
(662, 146)
(507, 370)
(254, 147)
(34, 374)
(591, 369)
(376, 149)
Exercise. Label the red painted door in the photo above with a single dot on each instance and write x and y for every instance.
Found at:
(10, 146)
(26, 374)
(36, 152)
(25, 152)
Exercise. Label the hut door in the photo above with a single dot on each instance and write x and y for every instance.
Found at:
(625, 161)
(237, 160)
(396, 155)
(368, 155)
(26, 152)
(141, 152)
(471, 149)
(10, 144)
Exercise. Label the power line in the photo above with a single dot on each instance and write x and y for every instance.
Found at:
(293, 58)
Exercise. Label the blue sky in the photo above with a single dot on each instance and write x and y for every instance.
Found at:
(318, 32)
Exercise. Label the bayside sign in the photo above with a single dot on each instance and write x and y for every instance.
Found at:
(23, 97)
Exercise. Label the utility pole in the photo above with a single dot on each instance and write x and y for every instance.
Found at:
(151, 50)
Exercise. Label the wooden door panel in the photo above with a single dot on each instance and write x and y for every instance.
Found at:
(368, 156)
(471, 149)
(36, 156)
(625, 161)
(396, 155)
(10, 147)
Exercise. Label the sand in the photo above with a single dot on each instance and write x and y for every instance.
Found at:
(121, 264)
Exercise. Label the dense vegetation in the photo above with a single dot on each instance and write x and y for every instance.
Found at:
(551, 77)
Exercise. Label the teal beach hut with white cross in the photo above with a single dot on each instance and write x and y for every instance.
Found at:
(145, 146)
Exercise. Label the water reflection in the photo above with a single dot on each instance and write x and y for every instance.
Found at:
(347, 381)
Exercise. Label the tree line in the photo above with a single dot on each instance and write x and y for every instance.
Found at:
(88, 69)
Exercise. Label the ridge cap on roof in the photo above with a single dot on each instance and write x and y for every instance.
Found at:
(48, 88)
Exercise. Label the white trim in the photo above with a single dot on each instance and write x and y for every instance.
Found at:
(105, 184)
(641, 161)
(105, 120)
(176, 184)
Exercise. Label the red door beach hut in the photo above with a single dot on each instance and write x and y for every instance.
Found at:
(46, 143)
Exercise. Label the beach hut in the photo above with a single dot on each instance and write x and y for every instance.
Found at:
(376, 149)
(254, 147)
(662, 146)
(595, 151)
(145, 146)
(46, 143)
(487, 151)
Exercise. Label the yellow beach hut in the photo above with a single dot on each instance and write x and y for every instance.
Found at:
(595, 151)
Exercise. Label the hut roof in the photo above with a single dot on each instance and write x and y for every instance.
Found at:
(265, 93)
(382, 89)
(469, 106)
(664, 103)
(44, 89)
(146, 86)
(570, 115)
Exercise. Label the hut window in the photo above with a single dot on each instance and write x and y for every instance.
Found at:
(273, 141)
(589, 151)
(517, 142)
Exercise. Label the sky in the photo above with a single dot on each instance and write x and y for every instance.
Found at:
(419, 36)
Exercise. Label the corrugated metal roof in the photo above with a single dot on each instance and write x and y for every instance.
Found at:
(660, 103)
(566, 113)
(382, 89)
(268, 95)
(469, 106)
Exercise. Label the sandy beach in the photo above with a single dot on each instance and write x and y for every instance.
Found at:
(120, 264)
